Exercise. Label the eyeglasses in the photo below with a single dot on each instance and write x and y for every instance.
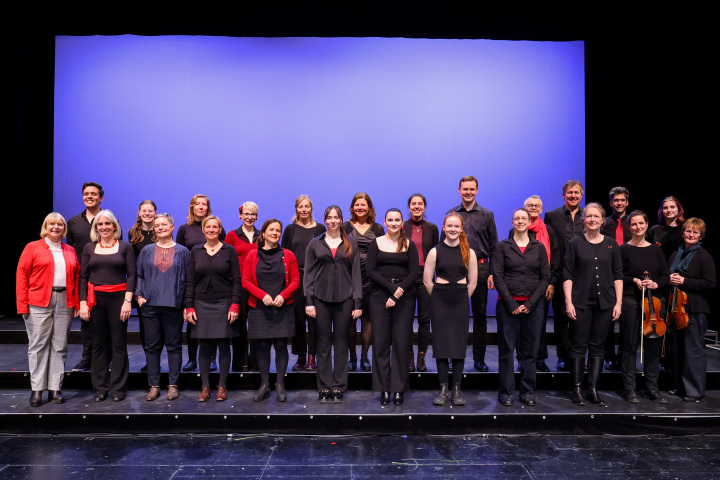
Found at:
(249, 215)
(533, 205)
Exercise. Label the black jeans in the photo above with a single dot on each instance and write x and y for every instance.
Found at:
(163, 326)
(522, 332)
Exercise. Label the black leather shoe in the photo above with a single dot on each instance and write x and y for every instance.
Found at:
(36, 398)
(118, 398)
(262, 393)
(506, 402)
(442, 397)
(337, 396)
(691, 399)
(480, 366)
(99, 397)
(457, 397)
(56, 396)
(542, 367)
(82, 365)
(655, 396)
(530, 402)
(385, 398)
(365, 365)
(631, 397)
(190, 365)
(280, 393)
(398, 398)
(352, 364)
(324, 395)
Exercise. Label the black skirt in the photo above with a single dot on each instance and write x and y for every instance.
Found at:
(212, 319)
(271, 322)
(450, 320)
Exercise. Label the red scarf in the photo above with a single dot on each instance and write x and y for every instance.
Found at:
(541, 234)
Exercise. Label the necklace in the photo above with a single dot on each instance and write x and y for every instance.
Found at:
(108, 246)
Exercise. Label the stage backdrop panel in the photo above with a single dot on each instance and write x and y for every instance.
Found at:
(266, 119)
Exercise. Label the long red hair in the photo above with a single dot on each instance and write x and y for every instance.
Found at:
(464, 245)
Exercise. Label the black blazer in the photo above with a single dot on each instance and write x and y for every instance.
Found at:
(332, 279)
(521, 274)
(430, 236)
(587, 269)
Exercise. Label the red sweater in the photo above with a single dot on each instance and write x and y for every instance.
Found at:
(249, 280)
(35, 272)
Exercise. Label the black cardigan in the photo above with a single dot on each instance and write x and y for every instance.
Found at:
(223, 273)
(521, 274)
(700, 281)
(585, 269)
(332, 279)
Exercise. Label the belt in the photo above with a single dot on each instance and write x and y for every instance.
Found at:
(58, 289)
(394, 280)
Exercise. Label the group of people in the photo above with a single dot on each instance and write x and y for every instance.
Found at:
(250, 290)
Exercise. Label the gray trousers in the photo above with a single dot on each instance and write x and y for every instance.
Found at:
(48, 330)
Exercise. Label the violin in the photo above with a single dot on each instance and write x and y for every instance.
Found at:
(653, 325)
(676, 313)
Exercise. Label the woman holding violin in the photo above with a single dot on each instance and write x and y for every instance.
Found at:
(692, 278)
(645, 274)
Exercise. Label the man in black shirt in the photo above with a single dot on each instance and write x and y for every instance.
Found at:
(567, 223)
(78, 235)
(482, 236)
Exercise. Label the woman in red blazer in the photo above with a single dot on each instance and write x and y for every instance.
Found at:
(47, 299)
(271, 276)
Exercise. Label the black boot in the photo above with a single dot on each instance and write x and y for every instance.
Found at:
(595, 366)
(36, 398)
(457, 397)
(443, 396)
(577, 369)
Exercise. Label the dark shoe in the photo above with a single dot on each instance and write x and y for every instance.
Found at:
(655, 396)
(506, 402)
(561, 366)
(221, 394)
(153, 394)
(99, 397)
(324, 395)
(457, 397)
(631, 396)
(118, 398)
(365, 365)
(576, 366)
(300, 364)
(204, 394)
(442, 397)
(56, 396)
(385, 398)
(36, 398)
(144, 368)
(594, 397)
(173, 393)
(412, 361)
(352, 364)
(530, 402)
(398, 398)
(611, 365)
(243, 368)
(280, 393)
(480, 366)
(673, 392)
(262, 393)
(542, 367)
(311, 363)
(421, 367)
(82, 365)
(213, 365)
(337, 396)
(690, 399)
(577, 397)
(595, 366)
(190, 365)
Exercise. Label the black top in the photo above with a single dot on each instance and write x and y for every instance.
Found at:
(480, 230)
(296, 239)
(270, 271)
(78, 232)
(147, 240)
(190, 235)
(700, 281)
(430, 235)
(668, 238)
(332, 279)
(637, 260)
(213, 276)
(610, 226)
(390, 270)
(517, 273)
(593, 269)
(565, 227)
(112, 269)
(363, 241)
(555, 258)
(449, 263)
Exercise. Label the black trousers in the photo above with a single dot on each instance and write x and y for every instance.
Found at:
(691, 355)
(391, 340)
(630, 325)
(302, 345)
(521, 332)
(423, 313)
(588, 332)
(333, 323)
(105, 324)
(163, 326)
(478, 302)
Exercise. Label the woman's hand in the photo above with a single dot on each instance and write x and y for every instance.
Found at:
(398, 293)
(232, 316)
(125, 311)
(310, 311)
(676, 279)
(84, 311)
(191, 316)
(141, 301)
(279, 301)
(356, 314)
(550, 292)
(617, 310)
(390, 303)
(520, 309)
(268, 300)
(570, 310)
(76, 312)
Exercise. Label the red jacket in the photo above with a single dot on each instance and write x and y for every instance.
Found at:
(35, 272)
(249, 280)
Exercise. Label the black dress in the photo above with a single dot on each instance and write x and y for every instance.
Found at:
(449, 304)
(271, 322)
